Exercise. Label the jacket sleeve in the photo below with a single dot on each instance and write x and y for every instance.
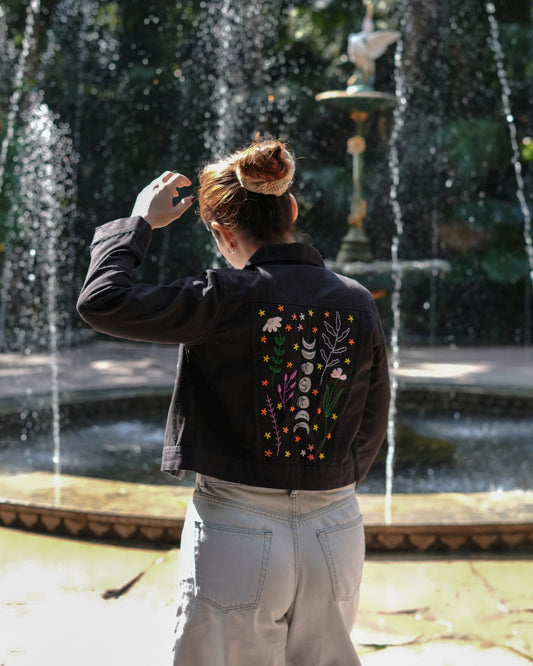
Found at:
(110, 302)
(373, 428)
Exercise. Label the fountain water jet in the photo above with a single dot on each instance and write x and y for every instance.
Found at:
(396, 272)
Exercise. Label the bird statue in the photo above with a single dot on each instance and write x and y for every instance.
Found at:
(365, 47)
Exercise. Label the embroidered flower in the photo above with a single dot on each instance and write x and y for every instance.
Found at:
(338, 374)
(272, 324)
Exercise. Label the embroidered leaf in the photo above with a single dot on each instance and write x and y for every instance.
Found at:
(275, 425)
(332, 338)
(277, 356)
(287, 390)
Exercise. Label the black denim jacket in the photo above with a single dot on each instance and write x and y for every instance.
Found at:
(282, 377)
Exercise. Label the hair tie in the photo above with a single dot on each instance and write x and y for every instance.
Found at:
(275, 187)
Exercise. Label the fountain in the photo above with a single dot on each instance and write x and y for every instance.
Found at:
(52, 374)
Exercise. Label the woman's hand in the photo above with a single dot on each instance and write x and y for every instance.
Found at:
(154, 202)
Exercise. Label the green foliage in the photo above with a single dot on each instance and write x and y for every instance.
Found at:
(139, 84)
(473, 147)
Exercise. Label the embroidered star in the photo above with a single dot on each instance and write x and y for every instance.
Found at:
(315, 330)
(268, 453)
(261, 313)
(347, 361)
(314, 391)
(303, 452)
(287, 454)
(311, 313)
(315, 427)
(321, 456)
(351, 342)
(328, 436)
(319, 366)
(285, 430)
(300, 327)
(334, 417)
(326, 314)
(294, 315)
(264, 382)
(266, 358)
(289, 364)
(297, 438)
(264, 411)
(292, 408)
(280, 308)
(310, 457)
(319, 410)
(296, 346)
(310, 447)
(350, 318)
(279, 405)
(268, 435)
(264, 338)
(288, 327)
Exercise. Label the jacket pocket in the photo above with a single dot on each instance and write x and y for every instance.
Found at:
(230, 565)
(344, 549)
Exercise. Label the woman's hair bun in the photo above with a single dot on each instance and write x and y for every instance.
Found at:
(266, 167)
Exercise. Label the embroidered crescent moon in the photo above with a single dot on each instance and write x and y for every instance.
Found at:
(301, 424)
(308, 355)
(302, 415)
(308, 345)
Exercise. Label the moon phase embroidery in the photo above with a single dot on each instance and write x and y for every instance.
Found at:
(308, 349)
(304, 385)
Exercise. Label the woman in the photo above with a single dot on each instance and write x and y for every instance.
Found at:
(280, 406)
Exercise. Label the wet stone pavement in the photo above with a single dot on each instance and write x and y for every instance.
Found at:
(66, 601)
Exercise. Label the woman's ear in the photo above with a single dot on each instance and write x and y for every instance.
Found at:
(294, 206)
(223, 235)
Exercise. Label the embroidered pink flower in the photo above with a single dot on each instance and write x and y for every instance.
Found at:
(338, 374)
(272, 324)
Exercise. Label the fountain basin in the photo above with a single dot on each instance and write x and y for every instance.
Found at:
(113, 374)
(351, 99)
(128, 512)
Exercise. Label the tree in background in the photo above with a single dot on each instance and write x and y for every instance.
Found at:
(143, 87)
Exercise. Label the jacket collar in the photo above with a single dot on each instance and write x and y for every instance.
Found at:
(285, 253)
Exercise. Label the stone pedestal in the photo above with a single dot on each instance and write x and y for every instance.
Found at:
(358, 101)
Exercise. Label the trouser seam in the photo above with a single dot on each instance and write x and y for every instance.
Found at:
(273, 514)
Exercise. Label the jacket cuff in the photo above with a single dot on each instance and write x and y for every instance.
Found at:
(126, 225)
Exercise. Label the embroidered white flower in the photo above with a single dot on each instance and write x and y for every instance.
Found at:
(272, 324)
(338, 374)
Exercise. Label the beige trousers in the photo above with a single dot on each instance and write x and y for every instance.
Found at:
(268, 577)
